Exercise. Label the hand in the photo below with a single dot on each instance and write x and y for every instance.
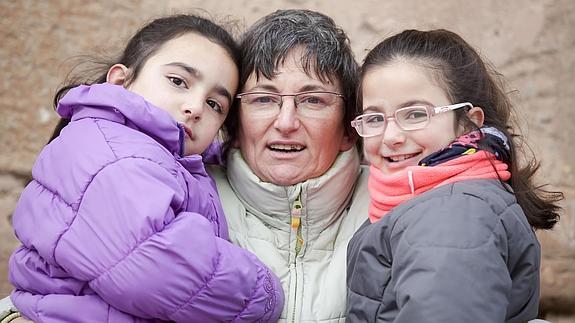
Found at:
(21, 320)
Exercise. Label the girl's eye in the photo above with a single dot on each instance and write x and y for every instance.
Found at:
(177, 81)
(215, 105)
(417, 115)
(372, 119)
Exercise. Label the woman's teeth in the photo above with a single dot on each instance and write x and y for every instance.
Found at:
(287, 148)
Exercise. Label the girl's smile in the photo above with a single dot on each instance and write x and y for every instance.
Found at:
(398, 85)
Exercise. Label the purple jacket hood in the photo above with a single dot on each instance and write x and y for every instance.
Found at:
(115, 103)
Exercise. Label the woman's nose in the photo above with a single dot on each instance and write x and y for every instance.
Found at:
(287, 119)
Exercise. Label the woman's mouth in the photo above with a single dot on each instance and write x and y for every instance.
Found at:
(286, 148)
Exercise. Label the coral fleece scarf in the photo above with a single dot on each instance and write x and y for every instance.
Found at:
(389, 190)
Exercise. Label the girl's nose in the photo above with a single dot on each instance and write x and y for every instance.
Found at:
(193, 109)
(393, 135)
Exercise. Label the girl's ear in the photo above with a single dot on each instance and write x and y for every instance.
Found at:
(117, 74)
(476, 116)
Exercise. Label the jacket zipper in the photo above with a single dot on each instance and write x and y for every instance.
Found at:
(296, 223)
(296, 229)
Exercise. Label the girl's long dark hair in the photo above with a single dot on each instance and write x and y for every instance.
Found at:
(144, 44)
(465, 77)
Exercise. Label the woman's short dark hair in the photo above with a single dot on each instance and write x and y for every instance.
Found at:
(327, 54)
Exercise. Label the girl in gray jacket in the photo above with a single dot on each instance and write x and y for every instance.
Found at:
(450, 236)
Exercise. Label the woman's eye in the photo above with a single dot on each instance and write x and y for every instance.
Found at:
(263, 99)
(177, 81)
(215, 105)
(312, 100)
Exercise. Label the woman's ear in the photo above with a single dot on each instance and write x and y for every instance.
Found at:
(476, 116)
(117, 74)
(347, 142)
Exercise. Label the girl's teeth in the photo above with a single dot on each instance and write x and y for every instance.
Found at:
(400, 158)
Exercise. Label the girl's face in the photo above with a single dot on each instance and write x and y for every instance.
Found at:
(398, 85)
(194, 80)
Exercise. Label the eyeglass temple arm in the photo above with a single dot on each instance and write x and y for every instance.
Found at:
(446, 108)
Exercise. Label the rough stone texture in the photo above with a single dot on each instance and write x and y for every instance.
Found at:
(530, 42)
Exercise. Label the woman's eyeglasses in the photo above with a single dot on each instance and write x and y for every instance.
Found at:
(308, 104)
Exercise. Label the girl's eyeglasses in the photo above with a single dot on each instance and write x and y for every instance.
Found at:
(408, 118)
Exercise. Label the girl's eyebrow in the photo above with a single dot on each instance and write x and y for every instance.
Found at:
(371, 109)
(415, 102)
(189, 69)
(221, 90)
(410, 103)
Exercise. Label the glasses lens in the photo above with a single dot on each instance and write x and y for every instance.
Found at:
(315, 103)
(371, 124)
(411, 118)
(261, 104)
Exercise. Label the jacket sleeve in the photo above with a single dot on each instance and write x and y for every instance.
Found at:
(449, 262)
(69, 308)
(142, 258)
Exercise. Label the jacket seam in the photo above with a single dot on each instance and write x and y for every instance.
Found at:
(61, 199)
(83, 191)
(492, 231)
(96, 121)
(202, 288)
(270, 298)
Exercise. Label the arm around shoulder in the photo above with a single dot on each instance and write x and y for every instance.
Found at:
(144, 258)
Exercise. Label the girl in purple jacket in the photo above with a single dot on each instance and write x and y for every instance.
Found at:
(121, 223)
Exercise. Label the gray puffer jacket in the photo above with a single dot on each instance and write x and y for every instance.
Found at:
(462, 252)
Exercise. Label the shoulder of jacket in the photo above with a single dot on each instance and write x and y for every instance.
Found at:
(459, 215)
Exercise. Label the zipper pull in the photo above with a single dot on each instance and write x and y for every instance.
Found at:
(296, 223)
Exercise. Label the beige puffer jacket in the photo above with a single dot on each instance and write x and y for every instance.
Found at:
(301, 231)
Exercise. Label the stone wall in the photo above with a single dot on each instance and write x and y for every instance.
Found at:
(531, 43)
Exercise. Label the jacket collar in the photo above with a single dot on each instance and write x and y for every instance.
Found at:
(324, 198)
(115, 103)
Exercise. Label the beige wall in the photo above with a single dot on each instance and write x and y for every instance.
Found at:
(531, 42)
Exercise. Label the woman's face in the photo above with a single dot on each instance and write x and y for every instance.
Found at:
(288, 148)
(191, 78)
(398, 85)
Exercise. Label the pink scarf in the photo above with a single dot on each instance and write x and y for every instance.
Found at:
(388, 191)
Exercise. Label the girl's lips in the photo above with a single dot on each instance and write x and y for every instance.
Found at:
(188, 131)
(399, 158)
(402, 161)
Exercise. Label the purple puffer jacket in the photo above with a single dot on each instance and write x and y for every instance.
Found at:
(116, 227)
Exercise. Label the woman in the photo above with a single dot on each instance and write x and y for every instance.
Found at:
(293, 190)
